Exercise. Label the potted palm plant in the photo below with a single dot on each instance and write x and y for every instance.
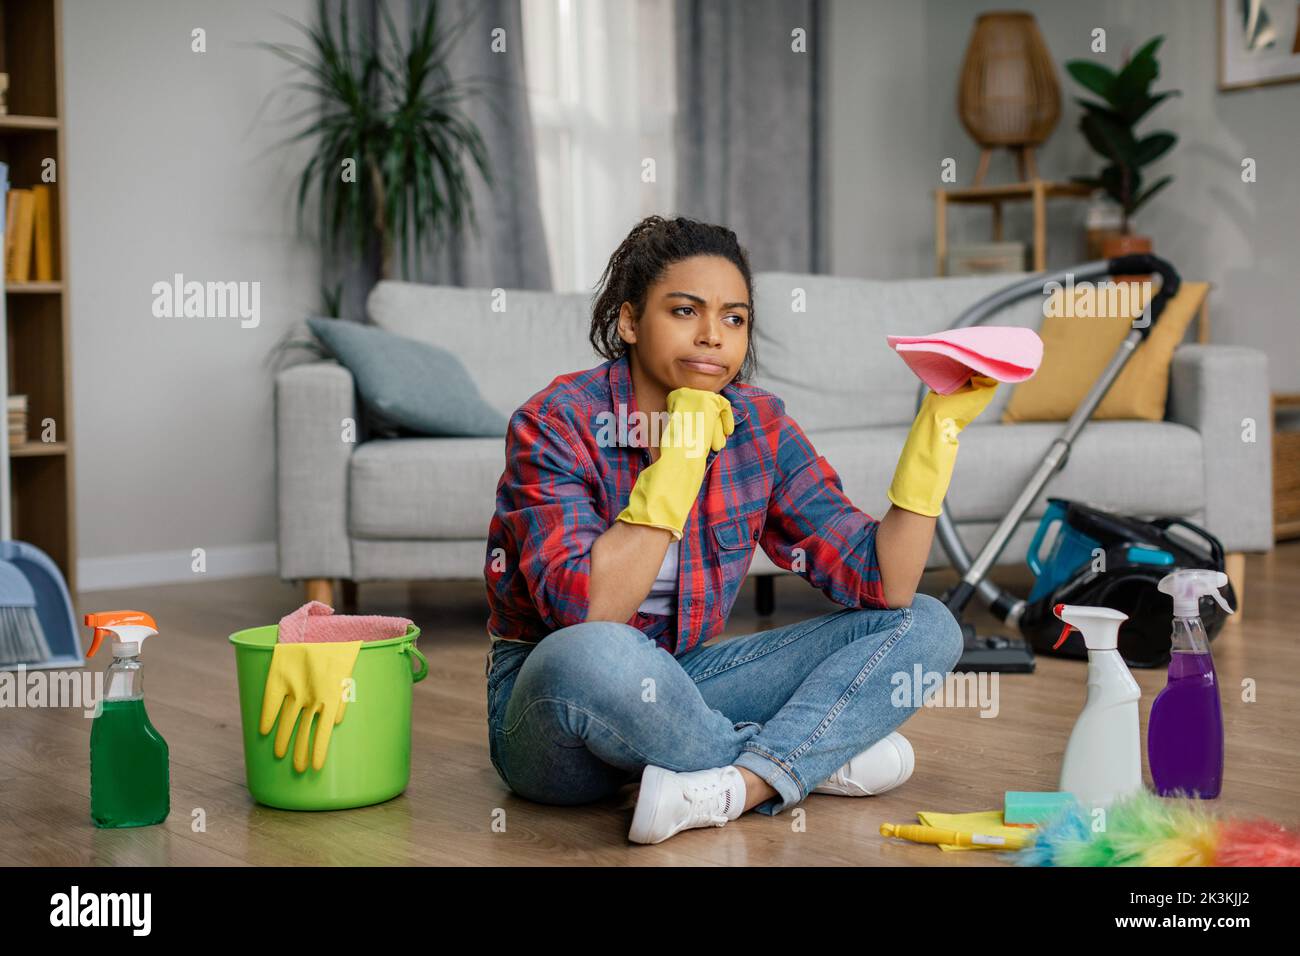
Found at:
(1109, 127)
(392, 144)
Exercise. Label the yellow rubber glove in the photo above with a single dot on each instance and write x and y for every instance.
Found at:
(307, 679)
(925, 465)
(665, 491)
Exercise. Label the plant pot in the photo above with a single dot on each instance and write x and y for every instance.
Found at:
(1126, 244)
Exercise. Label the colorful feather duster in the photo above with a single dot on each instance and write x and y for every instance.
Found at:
(1146, 830)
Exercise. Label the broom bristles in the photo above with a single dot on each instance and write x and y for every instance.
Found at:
(22, 639)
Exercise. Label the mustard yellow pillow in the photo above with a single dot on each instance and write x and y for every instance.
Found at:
(1079, 342)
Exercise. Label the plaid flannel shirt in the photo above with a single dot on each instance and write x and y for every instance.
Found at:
(565, 482)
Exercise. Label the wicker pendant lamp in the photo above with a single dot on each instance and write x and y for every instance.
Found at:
(1008, 95)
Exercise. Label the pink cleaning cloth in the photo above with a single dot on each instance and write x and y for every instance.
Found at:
(946, 360)
(316, 623)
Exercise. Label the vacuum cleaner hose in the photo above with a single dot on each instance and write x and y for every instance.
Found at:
(1006, 607)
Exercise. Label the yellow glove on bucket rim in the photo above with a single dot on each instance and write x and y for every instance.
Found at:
(930, 452)
(665, 491)
(307, 680)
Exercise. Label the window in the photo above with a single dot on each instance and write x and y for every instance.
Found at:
(602, 94)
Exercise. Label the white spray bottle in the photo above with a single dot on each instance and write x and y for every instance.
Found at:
(1103, 760)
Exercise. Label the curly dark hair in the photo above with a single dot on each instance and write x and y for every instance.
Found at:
(641, 259)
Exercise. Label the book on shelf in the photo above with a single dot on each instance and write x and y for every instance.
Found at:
(18, 234)
(42, 235)
(29, 236)
(17, 419)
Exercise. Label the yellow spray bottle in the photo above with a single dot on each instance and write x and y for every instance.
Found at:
(130, 779)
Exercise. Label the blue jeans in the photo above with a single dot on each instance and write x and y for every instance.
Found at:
(579, 714)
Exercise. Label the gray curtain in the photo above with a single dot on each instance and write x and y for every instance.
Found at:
(509, 248)
(510, 252)
(749, 131)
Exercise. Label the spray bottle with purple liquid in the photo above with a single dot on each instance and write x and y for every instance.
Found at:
(1185, 731)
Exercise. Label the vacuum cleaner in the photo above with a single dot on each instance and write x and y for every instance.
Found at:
(997, 653)
(1083, 555)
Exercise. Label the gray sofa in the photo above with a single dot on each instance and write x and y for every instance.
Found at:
(418, 508)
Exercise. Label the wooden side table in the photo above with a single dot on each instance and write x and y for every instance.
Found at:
(1037, 191)
(1286, 472)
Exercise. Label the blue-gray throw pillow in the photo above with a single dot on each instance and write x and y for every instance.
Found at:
(411, 384)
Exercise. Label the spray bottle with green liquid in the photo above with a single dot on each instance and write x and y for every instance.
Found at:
(130, 783)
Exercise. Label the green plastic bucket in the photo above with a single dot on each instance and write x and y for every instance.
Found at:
(369, 758)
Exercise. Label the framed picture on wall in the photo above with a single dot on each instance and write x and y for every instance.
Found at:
(1259, 43)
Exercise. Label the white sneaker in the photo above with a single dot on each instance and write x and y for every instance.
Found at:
(670, 802)
(883, 766)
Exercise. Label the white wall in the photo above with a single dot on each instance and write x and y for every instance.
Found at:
(893, 106)
(170, 168)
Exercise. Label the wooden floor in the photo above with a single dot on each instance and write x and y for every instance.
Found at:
(964, 762)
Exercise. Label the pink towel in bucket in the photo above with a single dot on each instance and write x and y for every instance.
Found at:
(316, 623)
(946, 360)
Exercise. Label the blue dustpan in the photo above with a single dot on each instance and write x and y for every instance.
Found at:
(28, 577)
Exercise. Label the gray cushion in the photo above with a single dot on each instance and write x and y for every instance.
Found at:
(424, 487)
(513, 341)
(821, 342)
(413, 385)
(1111, 465)
(421, 488)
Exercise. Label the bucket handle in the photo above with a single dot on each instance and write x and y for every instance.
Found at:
(423, 671)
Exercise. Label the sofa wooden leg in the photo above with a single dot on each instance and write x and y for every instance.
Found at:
(320, 589)
(1234, 563)
(764, 594)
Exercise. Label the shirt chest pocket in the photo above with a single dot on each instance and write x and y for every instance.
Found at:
(738, 535)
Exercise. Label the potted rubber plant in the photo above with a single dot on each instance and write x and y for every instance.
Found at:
(1109, 125)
